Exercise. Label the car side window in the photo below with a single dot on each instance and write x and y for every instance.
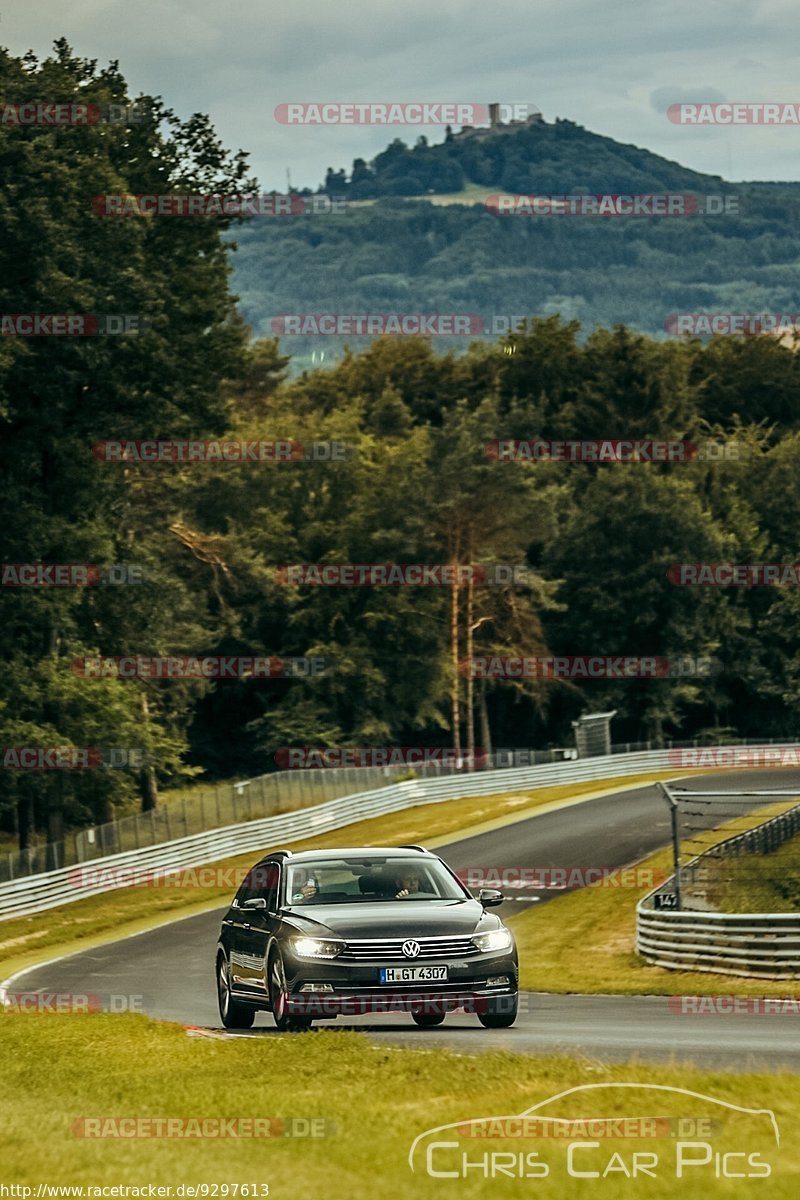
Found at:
(261, 883)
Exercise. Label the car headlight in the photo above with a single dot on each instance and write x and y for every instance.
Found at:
(495, 939)
(307, 947)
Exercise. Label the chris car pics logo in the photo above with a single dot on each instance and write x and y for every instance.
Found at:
(613, 1133)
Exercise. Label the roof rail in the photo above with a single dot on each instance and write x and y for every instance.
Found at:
(421, 849)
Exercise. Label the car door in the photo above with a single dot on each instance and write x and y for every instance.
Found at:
(257, 917)
(234, 928)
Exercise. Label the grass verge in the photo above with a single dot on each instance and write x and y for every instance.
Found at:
(553, 939)
(58, 1070)
(25, 941)
(757, 882)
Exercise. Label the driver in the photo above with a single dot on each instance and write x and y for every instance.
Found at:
(308, 891)
(407, 884)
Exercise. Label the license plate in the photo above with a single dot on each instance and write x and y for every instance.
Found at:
(412, 974)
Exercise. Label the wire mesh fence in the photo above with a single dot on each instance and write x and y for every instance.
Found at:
(754, 867)
(268, 795)
(753, 870)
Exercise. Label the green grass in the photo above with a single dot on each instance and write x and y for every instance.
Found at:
(58, 1069)
(27, 940)
(756, 882)
(552, 939)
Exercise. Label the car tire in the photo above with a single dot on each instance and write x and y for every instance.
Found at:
(277, 998)
(427, 1020)
(232, 1014)
(501, 1012)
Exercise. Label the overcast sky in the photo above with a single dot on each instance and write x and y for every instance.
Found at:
(613, 66)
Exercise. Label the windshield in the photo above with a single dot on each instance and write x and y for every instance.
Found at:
(369, 878)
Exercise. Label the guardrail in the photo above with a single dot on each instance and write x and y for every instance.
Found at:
(47, 890)
(758, 945)
(218, 805)
(200, 811)
(226, 804)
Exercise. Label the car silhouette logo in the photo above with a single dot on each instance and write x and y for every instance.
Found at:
(411, 949)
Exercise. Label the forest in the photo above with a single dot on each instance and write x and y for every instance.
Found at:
(188, 557)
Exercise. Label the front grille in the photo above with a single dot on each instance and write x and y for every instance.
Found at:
(385, 950)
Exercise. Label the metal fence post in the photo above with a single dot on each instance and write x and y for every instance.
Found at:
(676, 843)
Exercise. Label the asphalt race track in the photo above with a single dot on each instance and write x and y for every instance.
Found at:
(171, 968)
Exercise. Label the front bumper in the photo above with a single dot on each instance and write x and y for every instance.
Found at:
(356, 988)
(357, 1004)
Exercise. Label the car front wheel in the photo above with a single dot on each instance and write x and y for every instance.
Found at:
(501, 1012)
(232, 1014)
(278, 995)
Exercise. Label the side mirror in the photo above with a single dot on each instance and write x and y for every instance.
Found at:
(257, 902)
(490, 897)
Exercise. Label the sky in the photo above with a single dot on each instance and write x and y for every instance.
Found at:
(612, 66)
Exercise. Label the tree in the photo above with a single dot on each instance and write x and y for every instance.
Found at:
(59, 396)
(613, 552)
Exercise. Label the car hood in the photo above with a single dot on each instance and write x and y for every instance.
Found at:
(411, 918)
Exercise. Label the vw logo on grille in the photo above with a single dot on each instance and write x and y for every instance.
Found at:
(411, 949)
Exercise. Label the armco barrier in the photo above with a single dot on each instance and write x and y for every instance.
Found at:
(213, 806)
(35, 893)
(759, 945)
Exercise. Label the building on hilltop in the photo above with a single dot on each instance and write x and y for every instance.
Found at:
(498, 126)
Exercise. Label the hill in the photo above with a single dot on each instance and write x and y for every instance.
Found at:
(534, 157)
(399, 250)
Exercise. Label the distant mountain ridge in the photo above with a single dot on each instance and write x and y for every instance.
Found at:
(396, 248)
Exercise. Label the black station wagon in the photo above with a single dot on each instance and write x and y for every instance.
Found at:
(327, 933)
